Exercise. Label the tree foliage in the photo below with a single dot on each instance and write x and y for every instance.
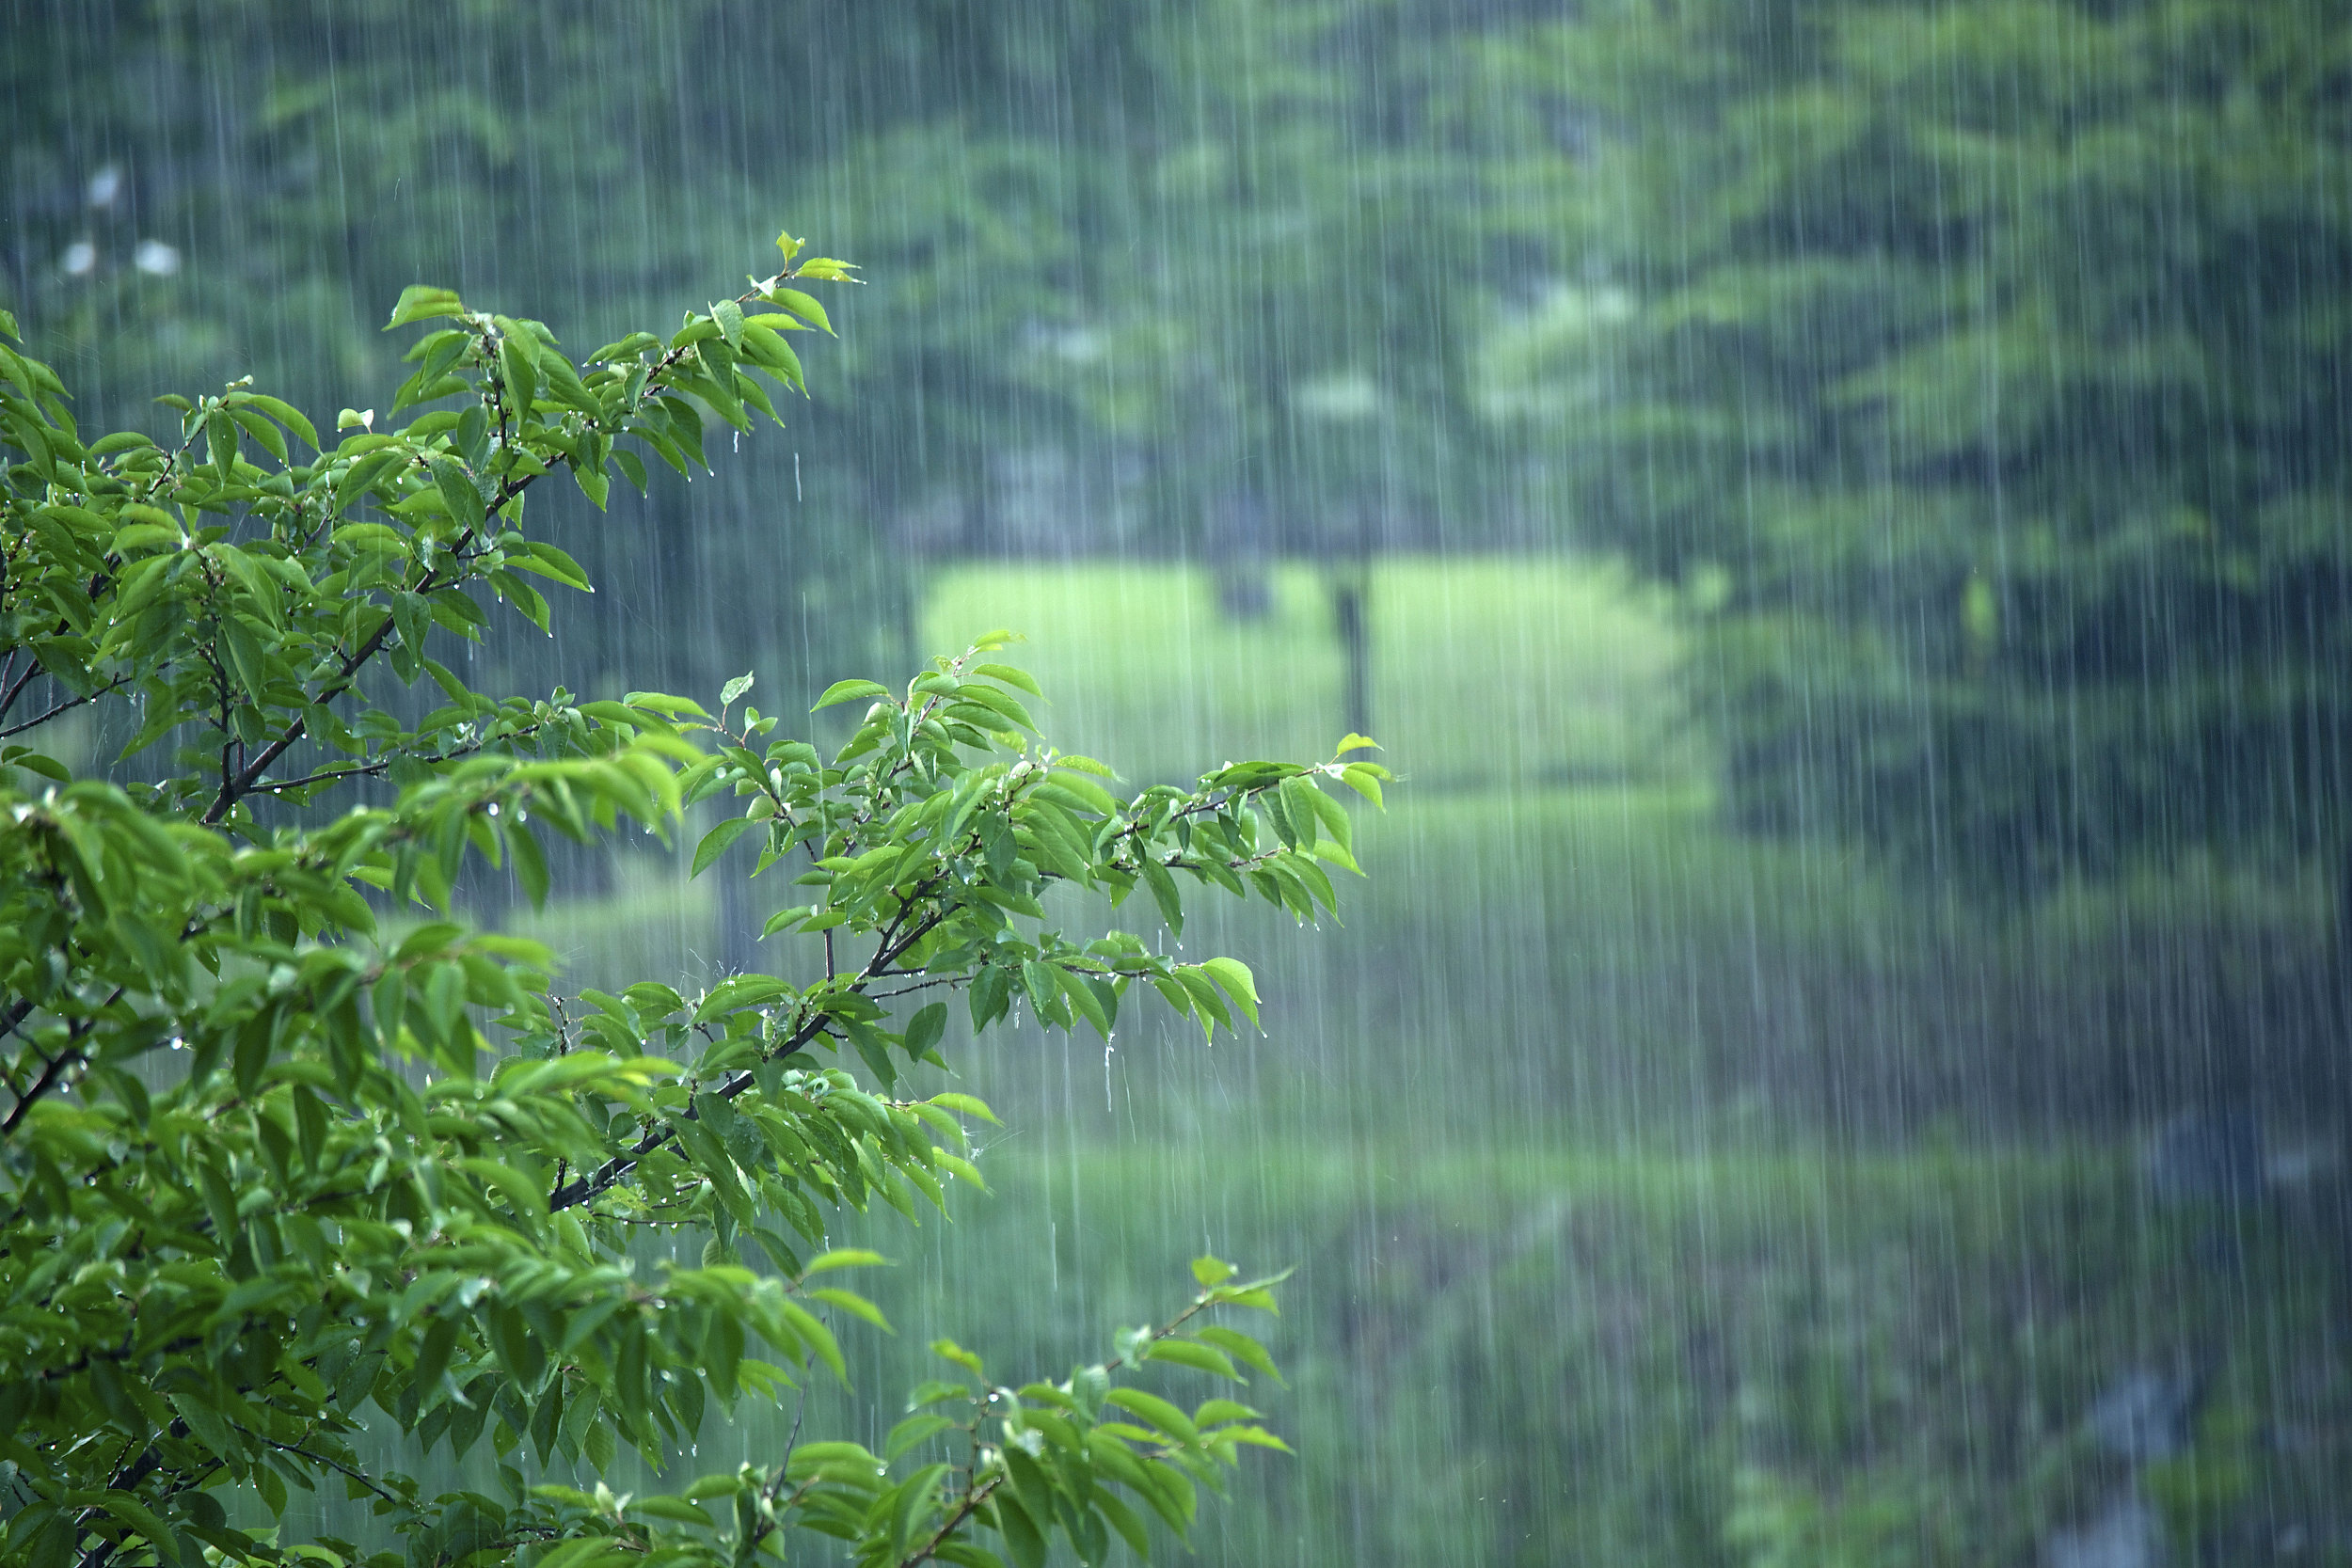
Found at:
(293, 1159)
(1982, 366)
(1235, 245)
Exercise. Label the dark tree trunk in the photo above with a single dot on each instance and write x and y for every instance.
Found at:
(1349, 592)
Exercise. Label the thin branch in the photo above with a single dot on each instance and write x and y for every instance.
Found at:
(17, 686)
(377, 769)
(972, 1501)
(514, 486)
(359, 770)
(924, 985)
(68, 703)
(233, 789)
(586, 1188)
(592, 1185)
(230, 789)
(58, 1067)
(360, 1476)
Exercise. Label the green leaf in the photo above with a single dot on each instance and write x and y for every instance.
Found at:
(1164, 893)
(420, 303)
(1124, 1519)
(850, 690)
(519, 368)
(531, 864)
(220, 439)
(914, 1430)
(853, 1303)
(1333, 817)
(949, 1349)
(1158, 1411)
(206, 1425)
(968, 1105)
(1184, 1352)
(925, 1028)
(261, 430)
(433, 1353)
(990, 995)
(1296, 795)
(845, 1257)
(1212, 1270)
(457, 491)
(589, 1551)
(715, 841)
(1212, 1412)
(1023, 1537)
(1242, 1348)
(1232, 977)
(729, 316)
(804, 307)
(139, 1517)
(245, 653)
(734, 689)
(818, 1337)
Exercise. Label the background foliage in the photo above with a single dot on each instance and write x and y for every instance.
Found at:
(1839, 508)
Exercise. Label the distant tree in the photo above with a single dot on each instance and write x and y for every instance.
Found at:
(264, 1168)
(1219, 262)
(199, 192)
(1287, 346)
(1983, 366)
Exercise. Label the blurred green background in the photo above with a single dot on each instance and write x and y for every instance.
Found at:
(1835, 510)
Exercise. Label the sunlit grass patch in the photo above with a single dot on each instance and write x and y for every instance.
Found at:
(1484, 670)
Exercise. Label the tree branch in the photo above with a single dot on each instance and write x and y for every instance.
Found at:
(972, 1499)
(360, 1476)
(17, 686)
(596, 1184)
(59, 1066)
(68, 703)
(514, 486)
(232, 790)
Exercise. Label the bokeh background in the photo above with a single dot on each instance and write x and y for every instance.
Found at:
(1836, 509)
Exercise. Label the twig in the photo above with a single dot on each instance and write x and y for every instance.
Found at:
(61, 707)
(59, 1066)
(971, 1500)
(360, 1476)
(17, 686)
(588, 1187)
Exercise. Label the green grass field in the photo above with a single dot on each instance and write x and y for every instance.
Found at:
(1485, 673)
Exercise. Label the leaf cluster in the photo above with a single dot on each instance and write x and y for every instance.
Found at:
(277, 1168)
